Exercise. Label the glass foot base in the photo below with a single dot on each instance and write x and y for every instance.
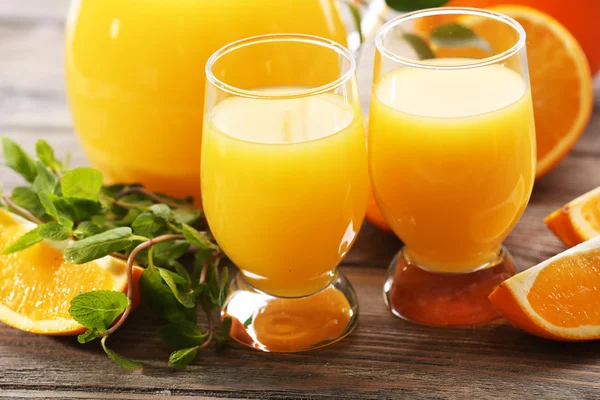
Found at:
(277, 324)
(430, 298)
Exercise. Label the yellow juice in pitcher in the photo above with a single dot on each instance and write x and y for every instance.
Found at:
(284, 186)
(135, 77)
(452, 160)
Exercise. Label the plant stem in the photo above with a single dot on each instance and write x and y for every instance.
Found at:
(152, 196)
(21, 211)
(142, 246)
(205, 306)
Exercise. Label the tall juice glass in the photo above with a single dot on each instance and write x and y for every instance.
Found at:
(285, 182)
(452, 160)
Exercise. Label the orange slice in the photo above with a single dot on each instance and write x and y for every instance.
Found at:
(37, 285)
(558, 298)
(561, 83)
(578, 220)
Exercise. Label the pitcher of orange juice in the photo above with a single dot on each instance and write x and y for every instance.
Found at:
(135, 76)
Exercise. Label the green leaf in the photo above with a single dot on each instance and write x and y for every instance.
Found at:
(248, 322)
(181, 358)
(161, 210)
(159, 298)
(223, 286)
(119, 359)
(45, 181)
(98, 246)
(27, 240)
(45, 154)
(419, 45)
(182, 334)
(181, 270)
(88, 336)
(18, 160)
(178, 286)
(86, 229)
(82, 183)
(61, 213)
(98, 309)
(26, 198)
(197, 238)
(149, 225)
(222, 338)
(128, 219)
(186, 215)
(54, 231)
(414, 5)
(456, 35)
(166, 252)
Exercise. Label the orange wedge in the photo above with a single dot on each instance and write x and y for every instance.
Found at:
(558, 298)
(37, 285)
(578, 220)
(561, 83)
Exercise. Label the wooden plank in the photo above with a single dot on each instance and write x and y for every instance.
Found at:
(385, 357)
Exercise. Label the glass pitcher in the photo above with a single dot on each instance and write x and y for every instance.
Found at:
(135, 77)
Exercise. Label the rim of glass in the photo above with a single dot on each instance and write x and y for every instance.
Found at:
(383, 30)
(281, 37)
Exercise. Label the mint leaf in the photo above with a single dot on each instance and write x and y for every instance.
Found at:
(45, 180)
(414, 5)
(223, 337)
(82, 183)
(159, 298)
(197, 238)
(98, 246)
(181, 270)
(18, 160)
(98, 309)
(61, 213)
(223, 286)
(162, 211)
(26, 198)
(248, 321)
(27, 240)
(128, 219)
(182, 334)
(88, 336)
(181, 358)
(54, 231)
(419, 45)
(45, 154)
(456, 35)
(166, 252)
(119, 359)
(149, 225)
(178, 286)
(86, 229)
(186, 215)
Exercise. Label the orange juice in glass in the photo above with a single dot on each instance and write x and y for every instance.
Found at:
(452, 164)
(134, 89)
(284, 183)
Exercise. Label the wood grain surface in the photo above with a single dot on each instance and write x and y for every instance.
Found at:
(384, 358)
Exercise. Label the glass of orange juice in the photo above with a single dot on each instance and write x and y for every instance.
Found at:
(285, 184)
(451, 148)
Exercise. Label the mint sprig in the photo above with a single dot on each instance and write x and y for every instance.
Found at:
(129, 222)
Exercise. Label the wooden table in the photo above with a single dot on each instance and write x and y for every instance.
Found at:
(384, 358)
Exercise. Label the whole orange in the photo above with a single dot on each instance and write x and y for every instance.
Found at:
(580, 17)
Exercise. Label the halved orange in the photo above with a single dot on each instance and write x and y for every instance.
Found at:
(578, 220)
(558, 298)
(37, 284)
(561, 83)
